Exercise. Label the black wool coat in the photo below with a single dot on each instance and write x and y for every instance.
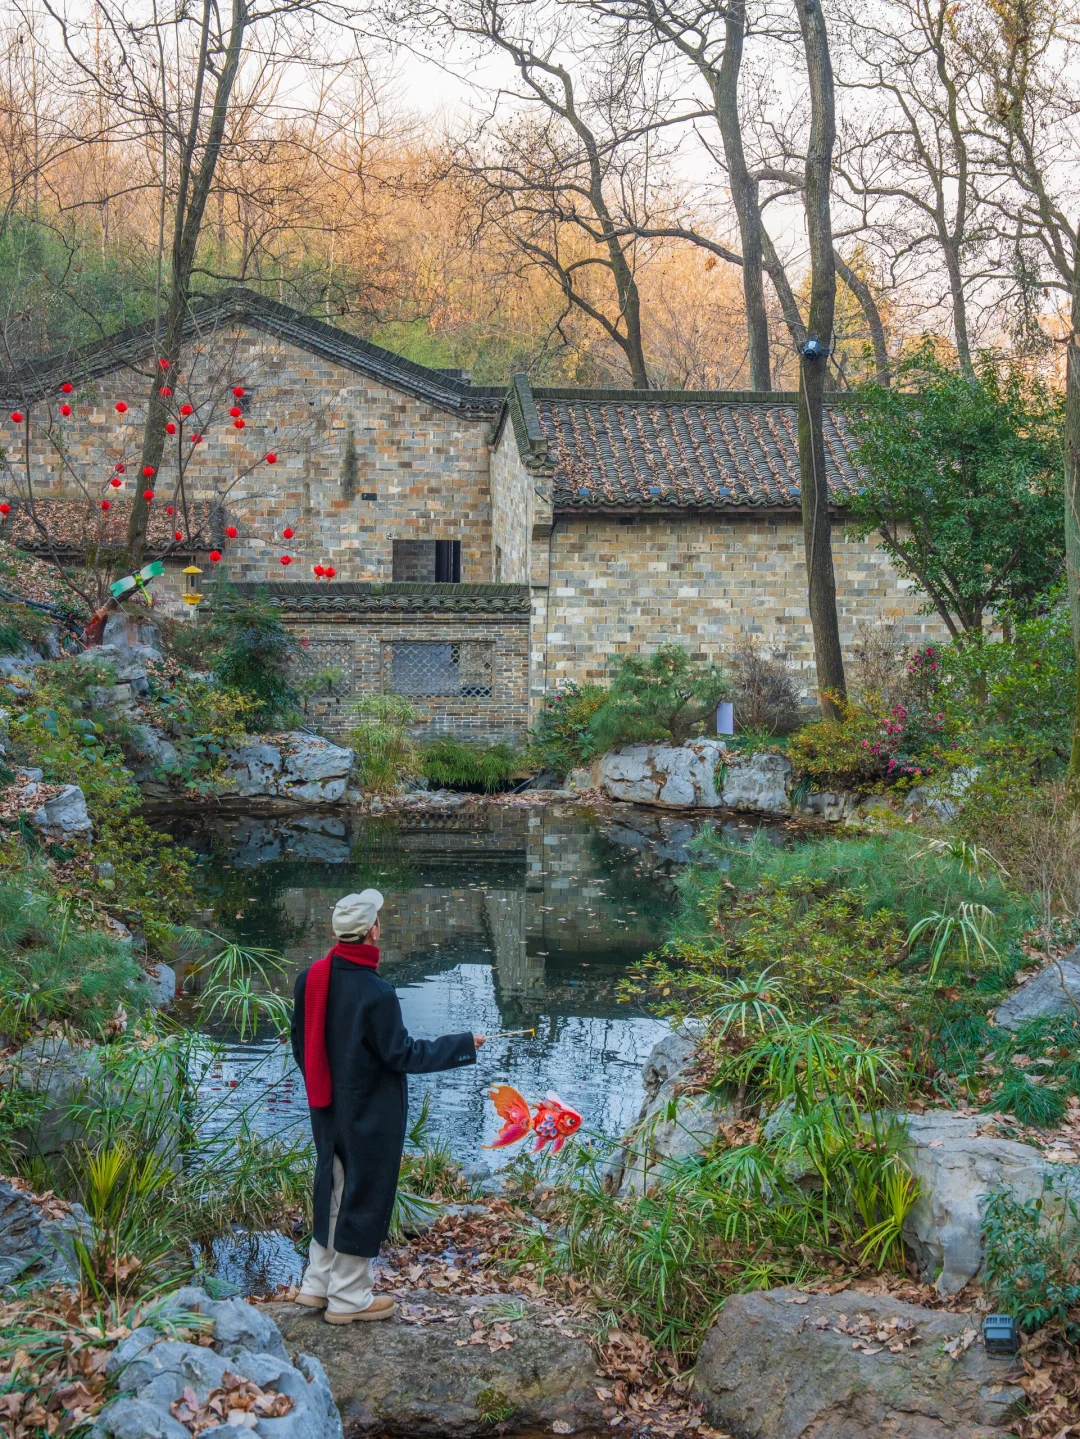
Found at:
(369, 1052)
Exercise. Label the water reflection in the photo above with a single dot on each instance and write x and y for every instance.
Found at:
(495, 919)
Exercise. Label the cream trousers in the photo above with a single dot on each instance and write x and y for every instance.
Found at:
(343, 1280)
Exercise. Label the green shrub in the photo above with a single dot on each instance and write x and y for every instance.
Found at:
(452, 764)
(665, 696)
(561, 740)
(53, 968)
(21, 626)
(255, 655)
(1032, 1256)
(868, 747)
(1007, 696)
(385, 755)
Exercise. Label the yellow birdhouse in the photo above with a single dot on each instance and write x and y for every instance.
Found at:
(191, 591)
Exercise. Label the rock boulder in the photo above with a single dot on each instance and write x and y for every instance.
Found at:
(674, 776)
(758, 783)
(154, 1371)
(420, 1376)
(784, 1365)
(37, 1238)
(671, 1125)
(1054, 990)
(300, 767)
(65, 815)
(957, 1168)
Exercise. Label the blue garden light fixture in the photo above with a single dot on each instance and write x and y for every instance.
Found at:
(812, 349)
(1000, 1335)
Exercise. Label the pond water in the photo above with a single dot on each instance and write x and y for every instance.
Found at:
(497, 919)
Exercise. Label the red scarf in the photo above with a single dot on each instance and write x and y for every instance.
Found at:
(316, 1064)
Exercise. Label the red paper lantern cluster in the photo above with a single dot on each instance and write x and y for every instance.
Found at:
(324, 572)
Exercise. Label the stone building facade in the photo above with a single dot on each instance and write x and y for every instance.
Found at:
(488, 544)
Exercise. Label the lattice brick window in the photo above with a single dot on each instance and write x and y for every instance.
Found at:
(456, 670)
(326, 666)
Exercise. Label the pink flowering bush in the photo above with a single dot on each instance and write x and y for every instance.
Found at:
(869, 747)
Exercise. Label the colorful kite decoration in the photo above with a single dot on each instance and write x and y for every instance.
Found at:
(551, 1120)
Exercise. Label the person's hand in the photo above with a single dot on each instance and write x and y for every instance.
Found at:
(479, 1040)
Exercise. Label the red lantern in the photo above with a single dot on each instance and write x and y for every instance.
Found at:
(120, 469)
(148, 471)
(65, 410)
(178, 535)
(286, 559)
(163, 364)
(148, 495)
(239, 424)
(66, 388)
(330, 572)
(287, 533)
(120, 407)
(236, 410)
(215, 555)
(17, 417)
(186, 410)
(106, 504)
(232, 532)
(5, 509)
(271, 459)
(238, 391)
(168, 509)
(319, 570)
(196, 439)
(165, 392)
(170, 428)
(116, 482)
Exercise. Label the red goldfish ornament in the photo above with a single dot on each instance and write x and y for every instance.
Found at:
(551, 1120)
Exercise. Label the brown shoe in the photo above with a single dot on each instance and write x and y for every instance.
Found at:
(311, 1301)
(382, 1307)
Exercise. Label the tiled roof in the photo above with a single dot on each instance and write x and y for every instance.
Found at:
(676, 450)
(309, 597)
(65, 522)
(444, 388)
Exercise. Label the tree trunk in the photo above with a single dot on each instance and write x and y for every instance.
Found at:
(744, 194)
(192, 194)
(959, 307)
(817, 536)
(1072, 509)
(871, 314)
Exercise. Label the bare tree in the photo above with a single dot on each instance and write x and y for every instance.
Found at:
(913, 156)
(1026, 52)
(817, 525)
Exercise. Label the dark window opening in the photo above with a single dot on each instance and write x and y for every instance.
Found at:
(448, 562)
(428, 561)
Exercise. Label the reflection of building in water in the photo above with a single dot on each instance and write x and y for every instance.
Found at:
(557, 902)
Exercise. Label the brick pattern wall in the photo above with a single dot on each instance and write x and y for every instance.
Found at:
(511, 509)
(358, 646)
(702, 582)
(338, 436)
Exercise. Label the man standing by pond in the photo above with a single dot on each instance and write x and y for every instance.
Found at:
(354, 1053)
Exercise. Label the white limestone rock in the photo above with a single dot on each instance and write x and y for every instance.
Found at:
(1054, 990)
(65, 815)
(758, 783)
(957, 1168)
(253, 769)
(301, 767)
(672, 776)
(670, 1126)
